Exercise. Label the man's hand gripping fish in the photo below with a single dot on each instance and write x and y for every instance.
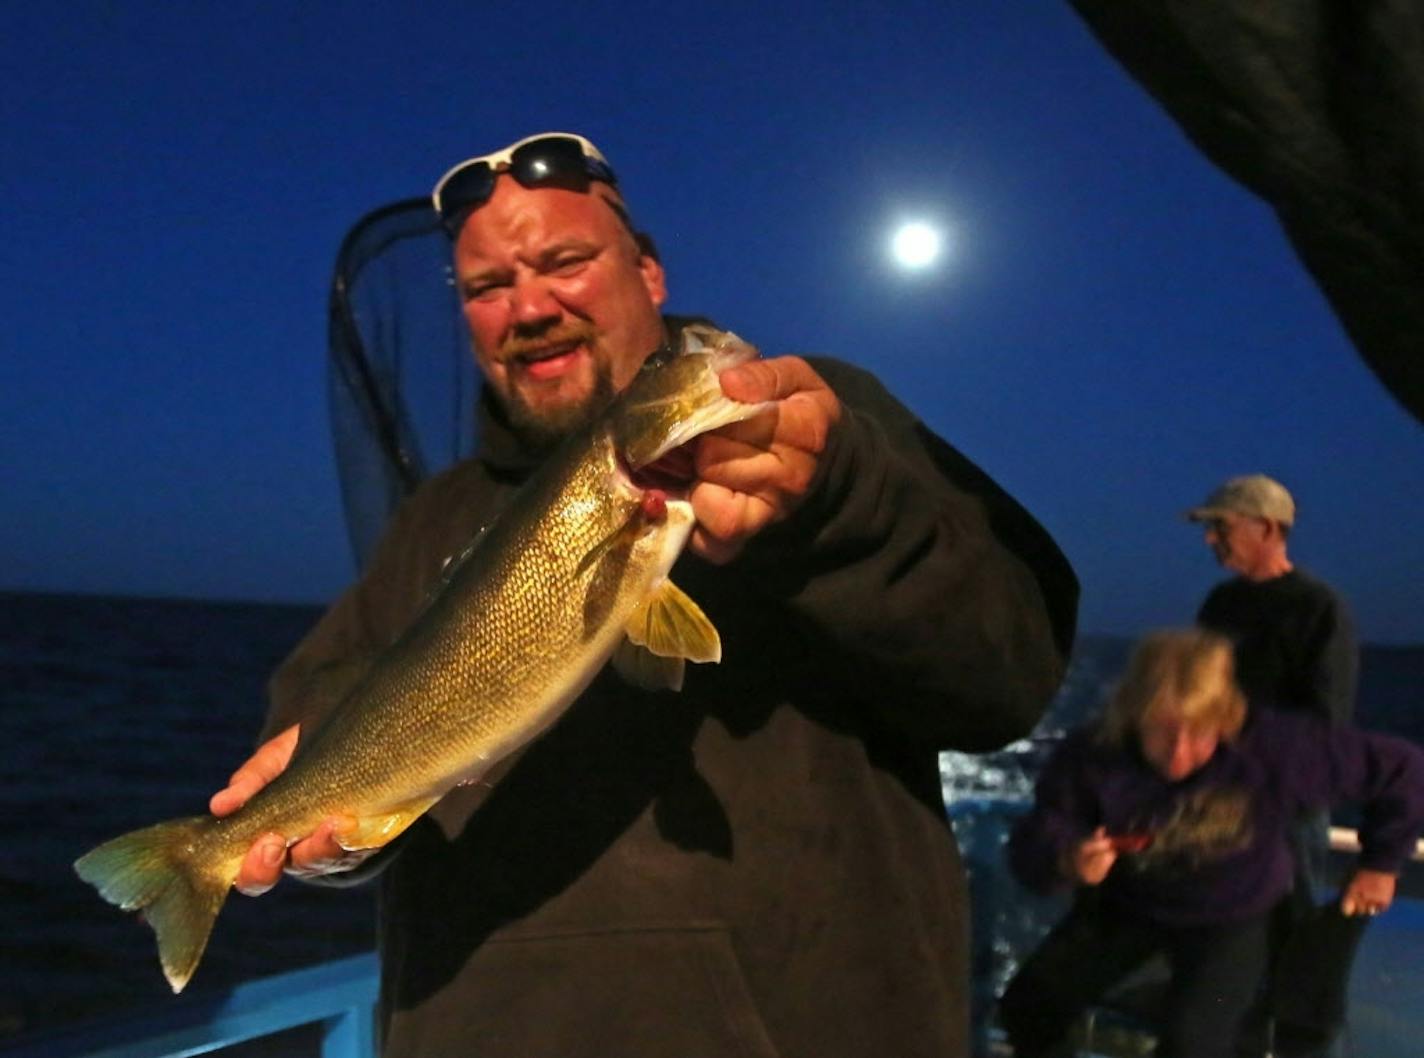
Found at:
(571, 574)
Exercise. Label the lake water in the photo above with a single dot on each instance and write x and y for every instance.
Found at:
(115, 713)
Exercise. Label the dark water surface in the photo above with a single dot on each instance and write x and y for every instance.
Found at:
(116, 713)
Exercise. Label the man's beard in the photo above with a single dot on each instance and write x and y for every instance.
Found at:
(540, 430)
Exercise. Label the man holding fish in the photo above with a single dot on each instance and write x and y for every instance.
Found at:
(759, 864)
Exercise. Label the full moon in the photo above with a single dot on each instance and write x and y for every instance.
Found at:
(915, 245)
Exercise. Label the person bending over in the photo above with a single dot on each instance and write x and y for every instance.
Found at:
(1170, 816)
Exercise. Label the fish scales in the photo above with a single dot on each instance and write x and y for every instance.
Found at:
(506, 626)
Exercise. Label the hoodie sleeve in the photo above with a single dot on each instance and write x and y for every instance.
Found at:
(954, 606)
(1386, 775)
(1319, 765)
(1065, 811)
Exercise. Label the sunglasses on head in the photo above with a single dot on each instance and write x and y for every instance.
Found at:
(550, 159)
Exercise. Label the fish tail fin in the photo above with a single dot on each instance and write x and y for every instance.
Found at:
(157, 871)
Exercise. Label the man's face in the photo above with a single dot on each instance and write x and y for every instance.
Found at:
(1174, 748)
(1238, 542)
(562, 306)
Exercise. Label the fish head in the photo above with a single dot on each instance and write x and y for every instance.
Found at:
(678, 396)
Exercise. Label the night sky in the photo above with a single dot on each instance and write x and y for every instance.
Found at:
(1116, 326)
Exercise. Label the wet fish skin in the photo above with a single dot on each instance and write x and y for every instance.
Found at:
(571, 571)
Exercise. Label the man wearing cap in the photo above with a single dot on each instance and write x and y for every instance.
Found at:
(1295, 649)
(761, 864)
(1295, 642)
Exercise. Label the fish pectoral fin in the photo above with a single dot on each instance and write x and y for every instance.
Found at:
(642, 668)
(665, 630)
(669, 624)
(373, 831)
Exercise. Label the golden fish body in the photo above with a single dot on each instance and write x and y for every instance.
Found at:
(572, 571)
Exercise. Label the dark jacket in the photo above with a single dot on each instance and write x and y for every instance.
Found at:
(1219, 849)
(1294, 642)
(759, 865)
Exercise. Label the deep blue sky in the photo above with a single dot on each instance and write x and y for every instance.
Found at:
(1118, 325)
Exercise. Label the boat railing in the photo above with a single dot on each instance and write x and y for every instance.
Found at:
(1347, 839)
(339, 995)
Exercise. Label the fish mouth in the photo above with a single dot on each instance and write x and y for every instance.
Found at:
(673, 472)
(672, 402)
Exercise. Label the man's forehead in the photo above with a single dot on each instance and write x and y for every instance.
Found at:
(516, 217)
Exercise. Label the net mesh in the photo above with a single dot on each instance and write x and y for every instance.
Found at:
(401, 381)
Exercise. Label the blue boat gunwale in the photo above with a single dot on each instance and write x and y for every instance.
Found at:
(340, 994)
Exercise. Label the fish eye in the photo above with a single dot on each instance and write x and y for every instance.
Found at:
(663, 354)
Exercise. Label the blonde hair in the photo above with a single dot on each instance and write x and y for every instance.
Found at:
(1185, 673)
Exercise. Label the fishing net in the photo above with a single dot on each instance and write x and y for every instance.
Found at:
(401, 381)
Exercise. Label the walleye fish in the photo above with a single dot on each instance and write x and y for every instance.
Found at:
(571, 574)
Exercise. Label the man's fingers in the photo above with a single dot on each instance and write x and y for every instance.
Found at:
(806, 406)
(320, 849)
(273, 756)
(768, 472)
(751, 474)
(262, 866)
(322, 852)
(714, 549)
(801, 422)
(270, 760)
(234, 795)
(726, 518)
(774, 379)
(318, 853)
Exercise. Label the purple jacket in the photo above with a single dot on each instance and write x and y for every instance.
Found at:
(1218, 849)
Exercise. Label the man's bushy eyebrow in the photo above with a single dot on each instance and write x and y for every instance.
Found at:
(547, 253)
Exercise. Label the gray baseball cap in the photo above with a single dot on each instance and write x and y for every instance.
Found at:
(1253, 495)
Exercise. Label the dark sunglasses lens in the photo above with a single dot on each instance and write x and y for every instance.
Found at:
(555, 161)
(466, 189)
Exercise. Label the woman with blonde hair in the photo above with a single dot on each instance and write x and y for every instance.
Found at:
(1170, 816)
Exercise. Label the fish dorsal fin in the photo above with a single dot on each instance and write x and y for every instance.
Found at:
(642, 668)
(671, 625)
